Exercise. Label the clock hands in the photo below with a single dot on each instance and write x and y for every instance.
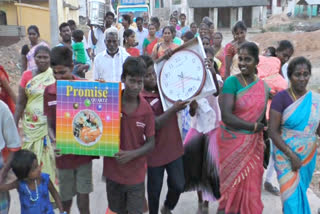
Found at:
(181, 76)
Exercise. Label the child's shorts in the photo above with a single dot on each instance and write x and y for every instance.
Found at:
(124, 199)
(73, 181)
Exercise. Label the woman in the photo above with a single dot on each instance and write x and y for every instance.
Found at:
(240, 139)
(163, 48)
(204, 30)
(219, 51)
(293, 126)
(30, 105)
(150, 41)
(7, 95)
(129, 42)
(27, 52)
(239, 32)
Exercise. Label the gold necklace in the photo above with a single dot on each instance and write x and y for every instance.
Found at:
(244, 80)
(292, 94)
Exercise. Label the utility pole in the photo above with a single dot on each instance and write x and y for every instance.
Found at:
(54, 34)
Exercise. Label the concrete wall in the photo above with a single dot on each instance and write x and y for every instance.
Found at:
(40, 17)
(11, 12)
(256, 18)
(65, 13)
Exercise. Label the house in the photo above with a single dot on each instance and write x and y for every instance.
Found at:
(23, 13)
(310, 8)
(302, 8)
(225, 13)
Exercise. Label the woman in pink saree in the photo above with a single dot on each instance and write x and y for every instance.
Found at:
(240, 141)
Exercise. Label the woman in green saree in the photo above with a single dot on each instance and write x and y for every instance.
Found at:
(30, 109)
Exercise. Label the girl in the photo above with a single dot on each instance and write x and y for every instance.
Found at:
(129, 41)
(150, 41)
(239, 32)
(284, 51)
(205, 118)
(32, 185)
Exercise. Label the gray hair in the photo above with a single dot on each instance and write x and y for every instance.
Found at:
(110, 32)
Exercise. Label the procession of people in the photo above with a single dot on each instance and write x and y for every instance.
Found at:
(262, 115)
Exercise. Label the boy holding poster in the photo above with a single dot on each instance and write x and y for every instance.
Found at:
(168, 151)
(125, 173)
(75, 172)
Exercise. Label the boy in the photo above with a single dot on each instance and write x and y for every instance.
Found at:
(167, 154)
(75, 172)
(125, 173)
(78, 47)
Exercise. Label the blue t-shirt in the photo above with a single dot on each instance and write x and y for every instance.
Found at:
(42, 205)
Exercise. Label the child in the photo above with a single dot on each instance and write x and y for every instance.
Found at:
(205, 114)
(78, 47)
(32, 185)
(125, 173)
(75, 172)
(167, 154)
(79, 51)
(10, 141)
(129, 42)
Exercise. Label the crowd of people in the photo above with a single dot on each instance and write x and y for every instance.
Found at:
(262, 115)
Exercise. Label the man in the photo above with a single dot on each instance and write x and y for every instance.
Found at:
(141, 34)
(108, 64)
(10, 141)
(155, 21)
(96, 35)
(145, 17)
(65, 34)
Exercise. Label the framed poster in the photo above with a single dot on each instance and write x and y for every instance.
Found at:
(88, 118)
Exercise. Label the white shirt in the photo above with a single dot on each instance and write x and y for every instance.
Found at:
(284, 71)
(109, 68)
(9, 136)
(140, 36)
(100, 45)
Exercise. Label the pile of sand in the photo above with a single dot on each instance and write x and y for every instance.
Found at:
(278, 20)
(10, 60)
(306, 44)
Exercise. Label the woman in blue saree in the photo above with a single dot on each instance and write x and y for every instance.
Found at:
(293, 125)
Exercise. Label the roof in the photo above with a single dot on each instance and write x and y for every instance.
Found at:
(308, 2)
(226, 3)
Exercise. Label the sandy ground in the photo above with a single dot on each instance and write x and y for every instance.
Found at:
(187, 203)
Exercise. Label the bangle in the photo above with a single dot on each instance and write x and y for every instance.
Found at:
(255, 127)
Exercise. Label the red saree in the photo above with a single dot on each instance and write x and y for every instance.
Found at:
(241, 154)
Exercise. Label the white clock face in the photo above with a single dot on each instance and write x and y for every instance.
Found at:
(182, 76)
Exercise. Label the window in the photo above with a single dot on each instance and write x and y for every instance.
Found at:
(158, 4)
(278, 3)
(3, 18)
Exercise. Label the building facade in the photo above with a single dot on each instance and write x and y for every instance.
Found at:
(225, 13)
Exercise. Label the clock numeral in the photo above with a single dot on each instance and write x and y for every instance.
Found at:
(193, 60)
(177, 59)
(167, 75)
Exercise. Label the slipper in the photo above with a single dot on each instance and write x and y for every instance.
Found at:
(272, 189)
